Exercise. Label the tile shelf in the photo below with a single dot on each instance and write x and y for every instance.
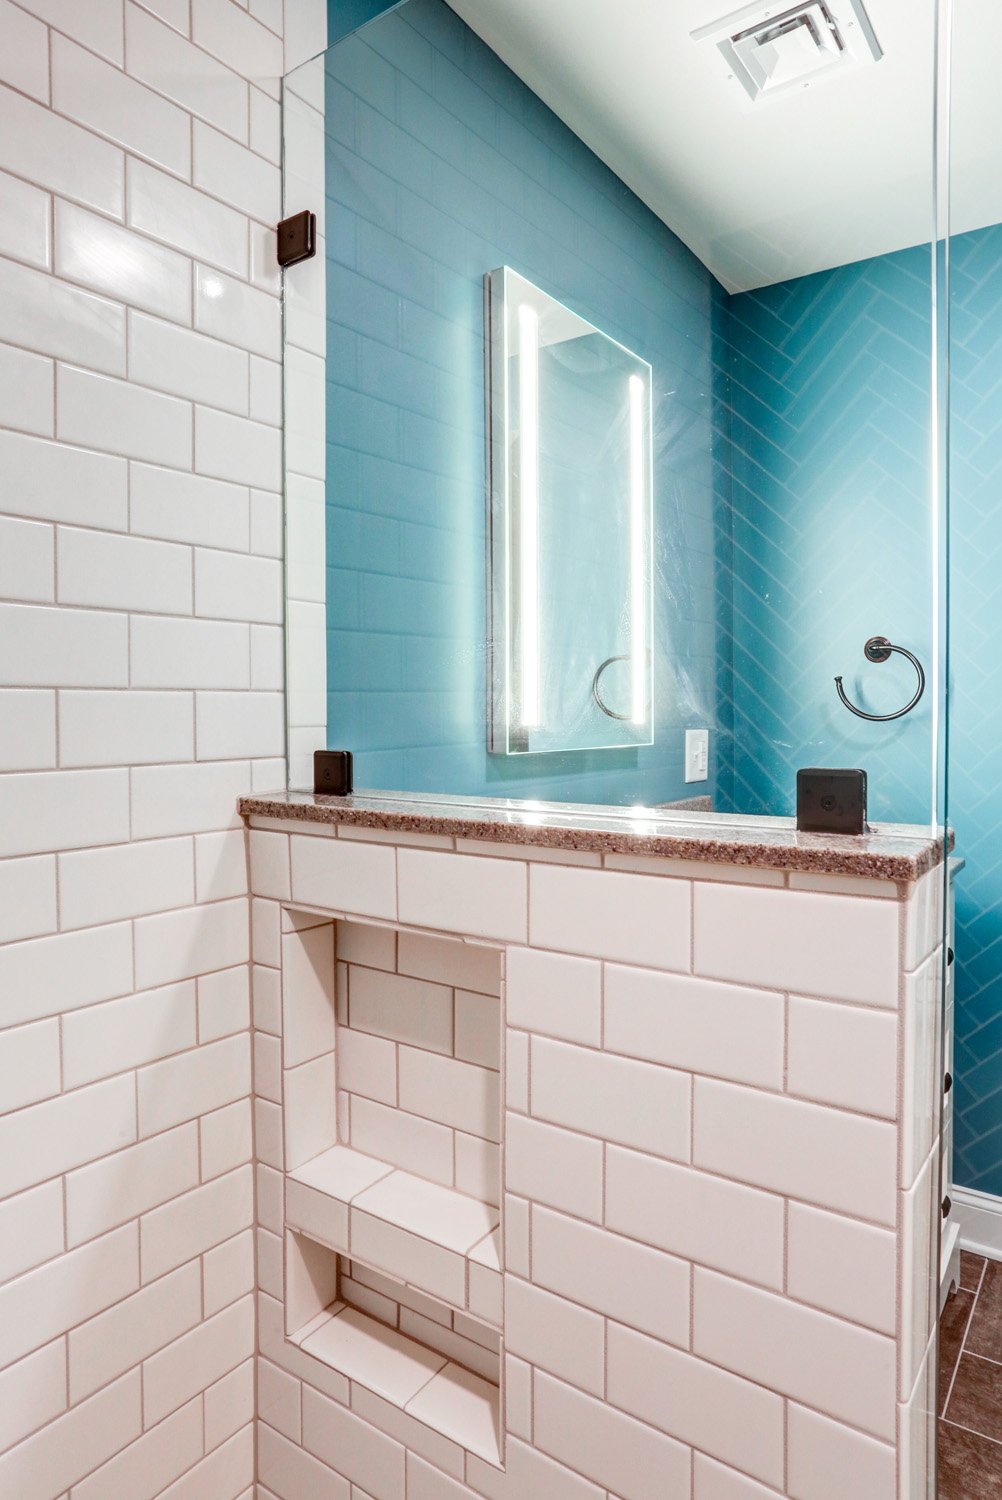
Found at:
(424, 1384)
(425, 1236)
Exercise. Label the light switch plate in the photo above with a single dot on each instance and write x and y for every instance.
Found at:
(697, 754)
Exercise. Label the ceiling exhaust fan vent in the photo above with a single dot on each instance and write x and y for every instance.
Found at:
(775, 49)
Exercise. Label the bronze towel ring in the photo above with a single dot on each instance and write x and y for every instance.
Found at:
(877, 649)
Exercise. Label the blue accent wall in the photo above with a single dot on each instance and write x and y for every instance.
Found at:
(831, 541)
(346, 16)
(976, 698)
(441, 166)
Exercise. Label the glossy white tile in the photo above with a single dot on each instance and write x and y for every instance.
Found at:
(149, 727)
(58, 483)
(632, 1103)
(42, 647)
(99, 412)
(378, 1358)
(236, 313)
(555, 994)
(695, 1215)
(838, 1054)
(182, 653)
(27, 730)
(24, 63)
(121, 1034)
(553, 1166)
(232, 587)
(99, 569)
(628, 1281)
(76, 1442)
(60, 156)
(91, 806)
(29, 1064)
(628, 1457)
(230, 33)
(345, 876)
(52, 317)
(239, 177)
(633, 918)
(27, 896)
(170, 211)
(187, 364)
(238, 450)
(98, 27)
(842, 1266)
(27, 560)
(483, 897)
(25, 221)
(27, 389)
(823, 1156)
(841, 947)
(117, 106)
(169, 63)
(827, 1460)
(49, 975)
(721, 1414)
(719, 1029)
(821, 1361)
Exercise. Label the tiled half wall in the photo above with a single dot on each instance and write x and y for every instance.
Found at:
(717, 1158)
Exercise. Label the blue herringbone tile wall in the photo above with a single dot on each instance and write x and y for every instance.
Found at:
(831, 533)
(976, 697)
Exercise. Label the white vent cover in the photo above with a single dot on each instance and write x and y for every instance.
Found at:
(779, 47)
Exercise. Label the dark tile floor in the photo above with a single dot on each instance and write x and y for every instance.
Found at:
(970, 1384)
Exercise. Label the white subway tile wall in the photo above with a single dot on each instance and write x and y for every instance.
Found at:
(137, 442)
(712, 1233)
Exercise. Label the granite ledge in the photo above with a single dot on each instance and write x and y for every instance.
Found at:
(891, 851)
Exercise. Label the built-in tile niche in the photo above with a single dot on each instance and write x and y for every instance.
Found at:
(392, 1112)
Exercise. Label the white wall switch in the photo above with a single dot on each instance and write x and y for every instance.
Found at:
(697, 754)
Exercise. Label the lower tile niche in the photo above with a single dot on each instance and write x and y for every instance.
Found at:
(391, 1095)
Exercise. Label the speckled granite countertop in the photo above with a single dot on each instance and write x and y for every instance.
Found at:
(891, 851)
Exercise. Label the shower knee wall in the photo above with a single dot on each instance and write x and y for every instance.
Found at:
(657, 1229)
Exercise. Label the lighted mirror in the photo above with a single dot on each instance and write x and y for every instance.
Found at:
(569, 439)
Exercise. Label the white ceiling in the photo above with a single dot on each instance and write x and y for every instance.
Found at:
(764, 192)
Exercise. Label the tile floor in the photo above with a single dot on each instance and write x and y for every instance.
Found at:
(970, 1384)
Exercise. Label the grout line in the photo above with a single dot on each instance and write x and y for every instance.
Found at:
(973, 1430)
(984, 1358)
(963, 1343)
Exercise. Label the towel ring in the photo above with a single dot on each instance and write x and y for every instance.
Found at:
(877, 649)
(596, 691)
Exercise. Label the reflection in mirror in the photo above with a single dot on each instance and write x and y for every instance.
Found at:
(742, 198)
(569, 435)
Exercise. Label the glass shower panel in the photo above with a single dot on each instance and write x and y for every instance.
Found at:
(976, 566)
(786, 319)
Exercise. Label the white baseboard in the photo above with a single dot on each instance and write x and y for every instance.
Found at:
(979, 1216)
